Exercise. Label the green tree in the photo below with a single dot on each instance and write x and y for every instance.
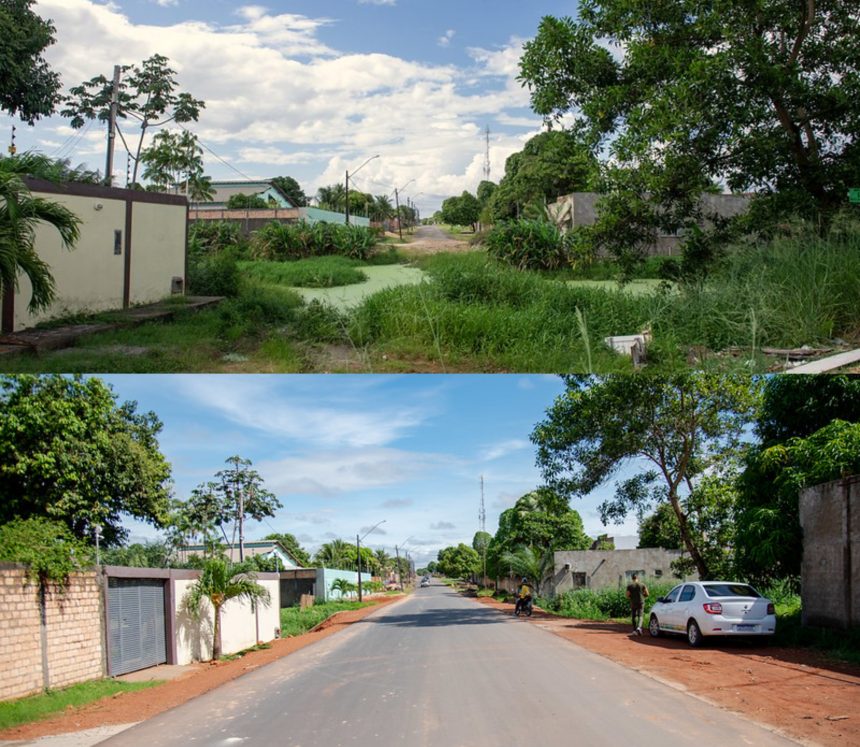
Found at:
(529, 563)
(147, 95)
(48, 548)
(661, 529)
(247, 202)
(332, 197)
(70, 452)
(459, 562)
(382, 208)
(28, 86)
(219, 582)
(290, 189)
(336, 554)
(551, 164)
(20, 214)
(461, 211)
(173, 159)
(679, 428)
(137, 555)
(800, 445)
(343, 587)
(292, 545)
(762, 97)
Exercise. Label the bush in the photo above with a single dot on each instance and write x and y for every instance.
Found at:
(319, 272)
(601, 604)
(527, 244)
(281, 242)
(319, 322)
(212, 237)
(215, 275)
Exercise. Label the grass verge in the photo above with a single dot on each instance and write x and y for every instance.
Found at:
(295, 621)
(36, 707)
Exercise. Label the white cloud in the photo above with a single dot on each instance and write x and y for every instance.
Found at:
(276, 95)
(503, 449)
(445, 39)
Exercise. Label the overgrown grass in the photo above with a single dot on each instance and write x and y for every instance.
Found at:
(318, 272)
(601, 604)
(36, 707)
(295, 621)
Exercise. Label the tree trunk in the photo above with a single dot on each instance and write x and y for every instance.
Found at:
(216, 637)
(695, 555)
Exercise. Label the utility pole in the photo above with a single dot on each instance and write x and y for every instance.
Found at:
(358, 555)
(347, 218)
(399, 229)
(482, 518)
(114, 106)
(399, 571)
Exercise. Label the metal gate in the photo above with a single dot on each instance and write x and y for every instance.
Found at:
(135, 624)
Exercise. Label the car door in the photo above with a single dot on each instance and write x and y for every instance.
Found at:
(683, 608)
(668, 610)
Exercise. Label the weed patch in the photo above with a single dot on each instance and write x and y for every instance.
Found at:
(295, 621)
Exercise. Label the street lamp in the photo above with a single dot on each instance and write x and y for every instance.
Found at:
(347, 187)
(358, 551)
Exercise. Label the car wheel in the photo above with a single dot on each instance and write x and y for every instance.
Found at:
(654, 626)
(694, 634)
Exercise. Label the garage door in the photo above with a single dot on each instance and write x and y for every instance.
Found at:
(135, 624)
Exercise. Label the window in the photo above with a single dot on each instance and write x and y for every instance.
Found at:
(672, 596)
(658, 573)
(637, 572)
(688, 593)
(731, 590)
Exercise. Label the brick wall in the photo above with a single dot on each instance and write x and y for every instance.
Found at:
(830, 571)
(70, 647)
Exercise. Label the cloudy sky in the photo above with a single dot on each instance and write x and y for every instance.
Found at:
(311, 88)
(345, 452)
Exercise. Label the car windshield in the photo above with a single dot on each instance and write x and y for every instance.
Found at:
(730, 590)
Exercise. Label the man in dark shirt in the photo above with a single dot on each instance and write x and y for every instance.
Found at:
(637, 593)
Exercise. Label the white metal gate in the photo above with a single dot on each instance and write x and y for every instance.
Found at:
(135, 624)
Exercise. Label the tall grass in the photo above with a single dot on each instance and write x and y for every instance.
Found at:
(319, 272)
(295, 621)
(280, 242)
(601, 604)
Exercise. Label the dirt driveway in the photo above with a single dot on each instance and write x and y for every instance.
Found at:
(796, 691)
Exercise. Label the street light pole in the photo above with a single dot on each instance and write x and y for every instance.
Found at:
(346, 210)
(358, 553)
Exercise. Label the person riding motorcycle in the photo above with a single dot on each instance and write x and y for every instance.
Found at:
(524, 596)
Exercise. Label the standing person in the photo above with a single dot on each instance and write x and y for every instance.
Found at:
(637, 593)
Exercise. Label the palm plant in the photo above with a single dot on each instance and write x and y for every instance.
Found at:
(529, 563)
(336, 554)
(343, 586)
(219, 582)
(20, 214)
(384, 561)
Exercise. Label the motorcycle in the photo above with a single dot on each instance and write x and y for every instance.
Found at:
(523, 605)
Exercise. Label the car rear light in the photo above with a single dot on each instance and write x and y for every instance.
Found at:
(771, 610)
(713, 608)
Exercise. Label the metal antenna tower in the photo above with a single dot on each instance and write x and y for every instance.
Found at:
(482, 513)
(487, 155)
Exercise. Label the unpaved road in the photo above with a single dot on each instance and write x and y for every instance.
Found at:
(432, 239)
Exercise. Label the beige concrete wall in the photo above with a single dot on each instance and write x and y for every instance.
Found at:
(73, 650)
(830, 569)
(158, 250)
(90, 276)
(601, 569)
(239, 623)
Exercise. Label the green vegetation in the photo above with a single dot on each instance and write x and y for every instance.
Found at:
(603, 604)
(279, 241)
(320, 272)
(36, 707)
(528, 245)
(295, 621)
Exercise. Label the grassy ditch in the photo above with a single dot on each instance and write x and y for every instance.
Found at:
(295, 621)
(321, 272)
(36, 707)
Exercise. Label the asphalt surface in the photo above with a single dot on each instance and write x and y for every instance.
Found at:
(437, 670)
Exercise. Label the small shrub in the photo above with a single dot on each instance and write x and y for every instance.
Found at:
(214, 275)
(212, 237)
(319, 322)
(528, 244)
(281, 242)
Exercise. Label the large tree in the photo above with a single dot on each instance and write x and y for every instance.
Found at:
(675, 429)
(289, 541)
(70, 452)
(808, 430)
(147, 95)
(762, 95)
(461, 211)
(20, 215)
(291, 189)
(28, 86)
(174, 161)
(551, 164)
(459, 562)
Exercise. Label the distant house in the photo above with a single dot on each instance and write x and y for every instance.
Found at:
(223, 191)
(266, 548)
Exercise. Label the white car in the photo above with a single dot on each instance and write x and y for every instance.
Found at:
(700, 609)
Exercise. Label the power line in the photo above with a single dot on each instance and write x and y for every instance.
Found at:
(208, 149)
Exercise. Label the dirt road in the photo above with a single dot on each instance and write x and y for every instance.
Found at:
(432, 240)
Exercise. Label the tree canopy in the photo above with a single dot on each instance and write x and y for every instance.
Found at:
(291, 189)
(676, 428)
(70, 452)
(761, 96)
(28, 86)
(461, 211)
(458, 562)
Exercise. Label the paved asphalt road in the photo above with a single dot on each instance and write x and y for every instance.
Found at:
(437, 670)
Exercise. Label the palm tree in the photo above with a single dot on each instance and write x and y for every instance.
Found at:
(219, 582)
(336, 554)
(529, 563)
(382, 209)
(20, 213)
(343, 586)
(384, 560)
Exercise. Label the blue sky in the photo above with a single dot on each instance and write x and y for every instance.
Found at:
(345, 452)
(311, 88)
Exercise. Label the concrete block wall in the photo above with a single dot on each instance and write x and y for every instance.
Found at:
(830, 569)
(71, 649)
